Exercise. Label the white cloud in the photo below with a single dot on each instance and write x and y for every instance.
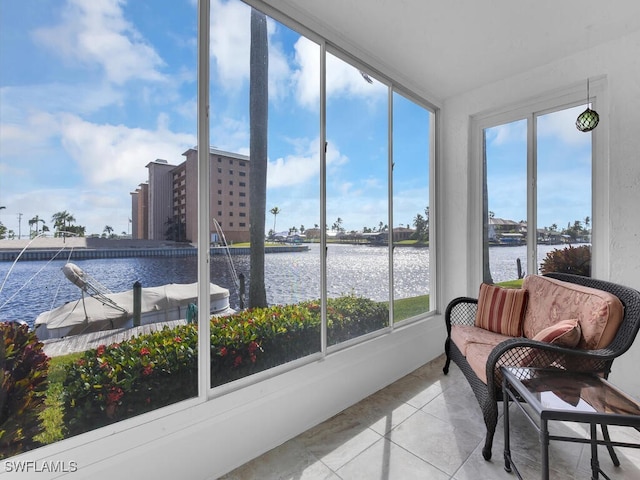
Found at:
(230, 39)
(230, 48)
(342, 79)
(111, 160)
(96, 33)
(307, 77)
(507, 133)
(562, 125)
(231, 134)
(297, 168)
(117, 153)
(303, 165)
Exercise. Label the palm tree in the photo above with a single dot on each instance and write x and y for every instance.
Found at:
(35, 221)
(60, 221)
(258, 117)
(107, 230)
(274, 211)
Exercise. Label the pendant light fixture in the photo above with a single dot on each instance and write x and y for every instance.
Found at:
(587, 120)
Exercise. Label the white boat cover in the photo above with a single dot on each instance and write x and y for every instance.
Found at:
(167, 302)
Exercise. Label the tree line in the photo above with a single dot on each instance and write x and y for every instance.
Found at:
(63, 224)
(420, 224)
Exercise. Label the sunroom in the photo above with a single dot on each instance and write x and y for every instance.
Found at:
(434, 94)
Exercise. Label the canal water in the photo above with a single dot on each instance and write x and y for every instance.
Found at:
(33, 287)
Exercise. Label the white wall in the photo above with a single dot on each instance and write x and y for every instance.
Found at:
(619, 61)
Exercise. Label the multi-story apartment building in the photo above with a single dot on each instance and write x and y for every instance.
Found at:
(172, 199)
(140, 212)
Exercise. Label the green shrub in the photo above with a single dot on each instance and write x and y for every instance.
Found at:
(260, 338)
(23, 380)
(350, 317)
(119, 381)
(125, 379)
(568, 260)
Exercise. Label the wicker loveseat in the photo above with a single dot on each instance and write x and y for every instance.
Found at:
(471, 344)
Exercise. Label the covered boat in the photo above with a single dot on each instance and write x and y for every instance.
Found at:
(103, 310)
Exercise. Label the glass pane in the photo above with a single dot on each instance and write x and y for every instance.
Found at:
(411, 136)
(104, 106)
(564, 193)
(266, 176)
(505, 217)
(357, 202)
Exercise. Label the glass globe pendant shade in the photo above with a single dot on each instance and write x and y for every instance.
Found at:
(587, 120)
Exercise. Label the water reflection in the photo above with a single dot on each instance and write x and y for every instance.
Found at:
(34, 287)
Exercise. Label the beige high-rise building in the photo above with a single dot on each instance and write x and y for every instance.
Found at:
(140, 212)
(172, 198)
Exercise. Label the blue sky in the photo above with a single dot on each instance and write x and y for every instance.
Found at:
(93, 90)
(563, 173)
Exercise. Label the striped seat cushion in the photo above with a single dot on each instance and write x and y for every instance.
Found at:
(501, 310)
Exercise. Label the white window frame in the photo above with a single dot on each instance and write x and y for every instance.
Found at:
(566, 97)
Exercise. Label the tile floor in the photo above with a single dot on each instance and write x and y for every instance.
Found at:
(428, 426)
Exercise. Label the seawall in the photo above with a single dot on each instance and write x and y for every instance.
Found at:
(10, 255)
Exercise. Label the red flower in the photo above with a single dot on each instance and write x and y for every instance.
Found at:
(223, 351)
(177, 339)
(253, 358)
(114, 396)
(100, 350)
(253, 346)
(148, 370)
(237, 361)
(144, 351)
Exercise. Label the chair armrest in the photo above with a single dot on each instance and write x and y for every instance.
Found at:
(523, 352)
(460, 311)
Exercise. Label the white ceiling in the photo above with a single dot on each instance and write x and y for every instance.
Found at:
(447, 47)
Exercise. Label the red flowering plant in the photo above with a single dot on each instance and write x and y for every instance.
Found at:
(118, 381)
(256, 339)
(24, 371)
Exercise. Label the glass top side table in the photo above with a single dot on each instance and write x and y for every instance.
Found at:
(558, 395)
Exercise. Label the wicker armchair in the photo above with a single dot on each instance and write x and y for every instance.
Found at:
(462, 311)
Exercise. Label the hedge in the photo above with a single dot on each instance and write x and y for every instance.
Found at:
(119, 381)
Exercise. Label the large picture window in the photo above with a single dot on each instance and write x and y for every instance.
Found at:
(308, 211)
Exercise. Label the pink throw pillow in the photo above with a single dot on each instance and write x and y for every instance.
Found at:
(565, 333)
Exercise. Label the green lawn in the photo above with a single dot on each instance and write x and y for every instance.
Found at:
(409, 307)
(52, 415)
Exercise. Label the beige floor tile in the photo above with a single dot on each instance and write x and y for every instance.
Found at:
(429, 426)
(386, 460)
(339, 439)
(435, 441)
(289, 461)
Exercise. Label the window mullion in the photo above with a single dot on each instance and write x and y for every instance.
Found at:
(323, 197)
(204, 273)
(532, 194)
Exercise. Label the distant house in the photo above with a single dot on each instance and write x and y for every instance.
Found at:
(507, 231)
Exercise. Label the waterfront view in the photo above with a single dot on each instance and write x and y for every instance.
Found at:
(36, 286)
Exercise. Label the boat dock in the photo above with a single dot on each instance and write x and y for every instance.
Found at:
(56, 347)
